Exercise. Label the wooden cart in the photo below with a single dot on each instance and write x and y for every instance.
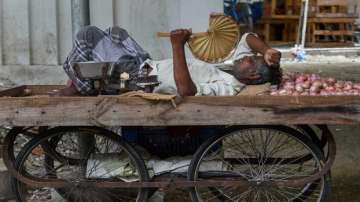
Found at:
(234, 165)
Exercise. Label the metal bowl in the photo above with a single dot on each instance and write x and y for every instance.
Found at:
(93, 70)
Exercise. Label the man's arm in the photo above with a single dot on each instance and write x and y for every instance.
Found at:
(271, 56)
(185, 85)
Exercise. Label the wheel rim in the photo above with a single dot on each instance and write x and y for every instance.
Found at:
(107, 159)
(280, 156)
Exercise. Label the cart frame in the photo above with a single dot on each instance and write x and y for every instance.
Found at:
(102, 111)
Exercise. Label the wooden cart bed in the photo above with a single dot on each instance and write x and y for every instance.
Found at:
(39, 109)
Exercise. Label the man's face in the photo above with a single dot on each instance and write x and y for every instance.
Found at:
(253, 70)
(246, 69)
(248, 63)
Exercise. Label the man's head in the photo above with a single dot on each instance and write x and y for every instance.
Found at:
(253, 70)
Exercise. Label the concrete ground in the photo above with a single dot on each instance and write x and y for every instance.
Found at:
(346, 171)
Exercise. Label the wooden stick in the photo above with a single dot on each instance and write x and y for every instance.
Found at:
(167, 34)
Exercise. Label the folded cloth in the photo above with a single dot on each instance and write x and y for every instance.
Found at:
(256, 89)
(151, 96)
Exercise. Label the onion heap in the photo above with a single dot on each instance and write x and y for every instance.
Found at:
(301, 84)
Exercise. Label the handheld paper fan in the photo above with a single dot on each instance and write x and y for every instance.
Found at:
(218, 43)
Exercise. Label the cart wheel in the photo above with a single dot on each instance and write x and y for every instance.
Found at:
(318, 140)
(259, 154)
(16, 139)
(105, 157)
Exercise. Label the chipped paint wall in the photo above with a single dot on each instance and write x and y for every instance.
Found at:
(38, 32)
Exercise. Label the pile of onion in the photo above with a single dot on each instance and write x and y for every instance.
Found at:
(297, 84)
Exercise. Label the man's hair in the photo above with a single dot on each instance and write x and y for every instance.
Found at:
(266, 75)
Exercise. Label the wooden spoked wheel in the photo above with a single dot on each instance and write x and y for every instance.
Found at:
(259, 154)
(58, 155)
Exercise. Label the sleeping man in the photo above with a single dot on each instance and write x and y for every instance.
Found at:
(253, 63)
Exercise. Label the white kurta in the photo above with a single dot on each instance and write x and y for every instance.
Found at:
(209, 80)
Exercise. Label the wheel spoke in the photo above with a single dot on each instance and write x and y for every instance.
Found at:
(261, 154)
(107, 159)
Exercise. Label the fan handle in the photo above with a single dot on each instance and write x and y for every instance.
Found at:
(167, 34)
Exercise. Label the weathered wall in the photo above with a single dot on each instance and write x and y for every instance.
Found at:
(38, 32)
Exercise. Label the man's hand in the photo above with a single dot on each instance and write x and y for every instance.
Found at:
(184, 83)
(179, 37)
(63, 92)
(272, 57)
(69, 90)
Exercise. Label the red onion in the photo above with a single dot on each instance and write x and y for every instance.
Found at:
(339, 93)
(348, 86)
(324, 93)
(317, 84)
(325, 84)
(315, 89)
(297, 84)
(283, 92)
(339, 84)
(314, 77)
(306, 85)
(330, 89)
(357, 86)
(299, 88)
(289, 87)
(301, 79)
(331, 80)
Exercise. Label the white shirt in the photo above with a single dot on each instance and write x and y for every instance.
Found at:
(209, 80)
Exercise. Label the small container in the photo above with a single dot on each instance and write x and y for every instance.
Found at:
(124, 78)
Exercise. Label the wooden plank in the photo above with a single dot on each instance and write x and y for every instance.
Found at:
(43, 29)
(335, 15)
(16, 32)
(332, 20)
(332, 3)
(281, 43)
(117, 111)
(332, 33)
(326, 44)
(283, 17)
(43, 89)
(273, 7)
(102, 13)
(13, 92)
(33, 90)
(64, 28)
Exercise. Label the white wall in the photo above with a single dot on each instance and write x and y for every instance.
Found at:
(38, 32)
